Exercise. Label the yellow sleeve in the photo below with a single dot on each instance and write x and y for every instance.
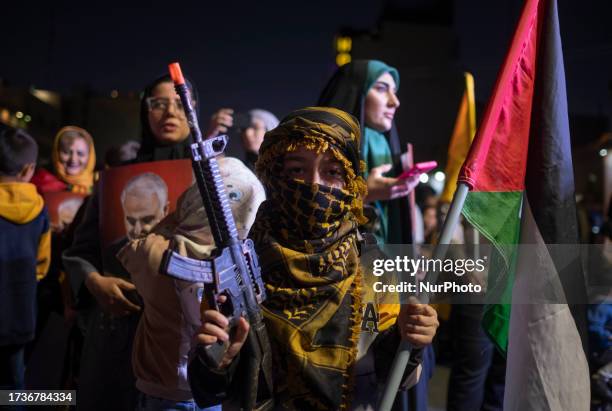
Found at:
(43, 259)
(387, 315)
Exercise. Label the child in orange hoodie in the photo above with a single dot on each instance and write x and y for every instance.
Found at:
(25, 246)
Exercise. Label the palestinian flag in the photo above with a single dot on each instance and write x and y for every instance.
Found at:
(520, 173)
(496, 165)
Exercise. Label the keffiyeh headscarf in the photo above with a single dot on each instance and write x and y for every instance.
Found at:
(305, 235)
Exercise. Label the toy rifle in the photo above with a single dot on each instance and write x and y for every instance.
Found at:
(232, 270)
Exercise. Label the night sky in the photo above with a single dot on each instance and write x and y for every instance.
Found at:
(274, 55)
(239, 53)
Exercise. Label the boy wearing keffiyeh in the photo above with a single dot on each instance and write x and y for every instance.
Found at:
(306, 238)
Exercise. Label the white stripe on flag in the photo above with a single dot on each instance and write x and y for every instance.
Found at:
(547, 369)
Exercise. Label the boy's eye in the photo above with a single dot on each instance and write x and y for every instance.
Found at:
(336, 172)
(295, 171)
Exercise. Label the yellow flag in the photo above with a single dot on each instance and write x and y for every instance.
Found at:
(463, 134)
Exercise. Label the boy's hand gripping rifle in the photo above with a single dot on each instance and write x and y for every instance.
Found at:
(232, 270)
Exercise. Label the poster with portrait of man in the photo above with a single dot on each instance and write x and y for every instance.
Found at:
(133, 200)
(62, 207)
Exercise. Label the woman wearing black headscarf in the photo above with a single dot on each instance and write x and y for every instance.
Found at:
(164, 128)
(106, 378)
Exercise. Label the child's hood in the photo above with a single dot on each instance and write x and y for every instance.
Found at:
(20, 202)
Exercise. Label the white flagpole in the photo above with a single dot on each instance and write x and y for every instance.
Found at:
(403, 351)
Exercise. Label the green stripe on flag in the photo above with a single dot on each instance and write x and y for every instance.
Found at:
(497, 216)
(496, 323)
(496, 317)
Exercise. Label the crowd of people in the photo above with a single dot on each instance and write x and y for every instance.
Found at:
(310, 187)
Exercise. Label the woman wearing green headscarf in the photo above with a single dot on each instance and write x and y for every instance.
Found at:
(368, 90)
(330, 349)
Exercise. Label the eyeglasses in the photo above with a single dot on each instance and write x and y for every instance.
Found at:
(162, 104)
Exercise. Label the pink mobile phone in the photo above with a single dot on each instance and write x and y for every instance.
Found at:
(418, 168)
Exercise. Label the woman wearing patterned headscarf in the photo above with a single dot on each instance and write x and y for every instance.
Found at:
(306, 239)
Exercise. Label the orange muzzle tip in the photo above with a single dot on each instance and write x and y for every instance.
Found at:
(176, 73)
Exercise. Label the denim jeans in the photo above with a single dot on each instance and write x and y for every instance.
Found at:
(12, 372)
(149, 403)
(478, 371)
(416, 398)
